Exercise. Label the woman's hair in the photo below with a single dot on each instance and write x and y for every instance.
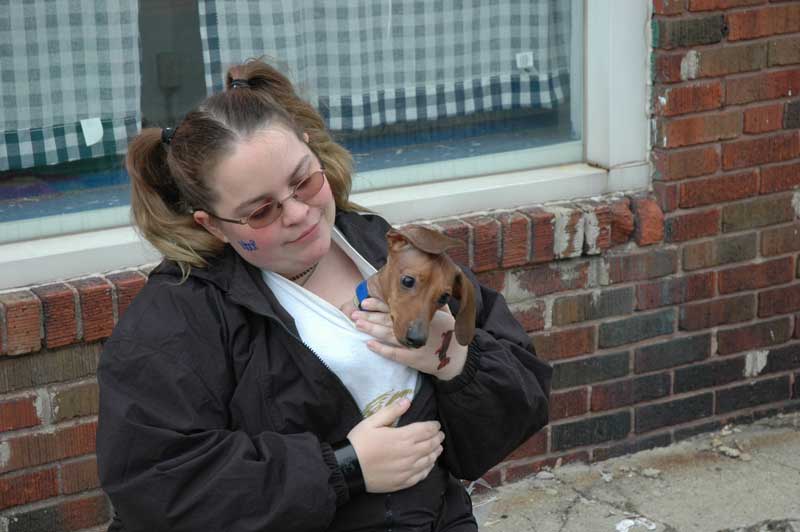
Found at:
(170, 177)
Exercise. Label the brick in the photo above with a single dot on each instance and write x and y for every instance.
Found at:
(462, 232)
(780, 240)
(714, 5)
(721, 311)
(672, 353)
(630, 391)
(762, 86)
(667, 67)
(542, 234)
(666, 195)
(42, 448)
(630, 447)
(760, 150)
(715, 373)
(796, 388)
(781, 300)
(761, 334)
(680, 228)
(636, 328)
(126, 285)
(486, 243)
(682, 33)
(495, 280)
(693, 98)
(763, 119)
(668, 7)
(681, 163)
(515, 239)
(700, 192)
(753, 394)
(755, 23)
(784, 51)
(28, 487)
(598, 220)
(568, 232)
(769, 210)
(66, 516)
(64, 364)
(642, 266)
(569, 404)
(649, 221)
(782, 359)
(713, 127)
(554, 277)
(656, 416)
(622, 222)
(535, 445)
(59, 309)
(589, 370)
(97, 311)
(75, 401)
(723, 250)
(675, 290)
(22, 316)
(592, 306)
(776, 178)
(18, 414)
(792, 115)
(753, 276)
(726, 60)
(694, 430)
(79, 476)
(590, 431)
(530, 315)
(564, 344)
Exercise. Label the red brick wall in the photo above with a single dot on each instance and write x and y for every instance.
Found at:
(664, 314)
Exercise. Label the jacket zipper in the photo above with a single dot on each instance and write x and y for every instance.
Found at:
(333, 373)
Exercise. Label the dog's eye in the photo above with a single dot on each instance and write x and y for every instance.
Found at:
(408, 281)
(443, 299)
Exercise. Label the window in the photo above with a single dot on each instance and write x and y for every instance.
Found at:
(447, 161)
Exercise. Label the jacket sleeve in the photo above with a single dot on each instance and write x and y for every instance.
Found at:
(500, 399)
(168, 462)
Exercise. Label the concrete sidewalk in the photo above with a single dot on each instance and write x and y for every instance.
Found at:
(743, 478)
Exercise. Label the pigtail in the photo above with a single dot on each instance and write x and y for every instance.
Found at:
(159, 212)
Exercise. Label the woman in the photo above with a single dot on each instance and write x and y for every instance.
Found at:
(220, 406)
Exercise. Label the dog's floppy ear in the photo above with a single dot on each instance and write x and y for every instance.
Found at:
(465, 321)
(422, 238)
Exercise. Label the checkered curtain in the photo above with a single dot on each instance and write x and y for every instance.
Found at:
(369, 62)
(62, 61)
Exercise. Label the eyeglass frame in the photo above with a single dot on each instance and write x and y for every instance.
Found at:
(245, 220)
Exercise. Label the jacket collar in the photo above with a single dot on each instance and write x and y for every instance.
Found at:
(242, 281)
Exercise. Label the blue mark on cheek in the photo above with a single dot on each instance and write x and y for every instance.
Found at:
(248, 245)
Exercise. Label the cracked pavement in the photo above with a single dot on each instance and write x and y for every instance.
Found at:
(742, 478)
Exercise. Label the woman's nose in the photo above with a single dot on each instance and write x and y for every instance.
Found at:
(294, 211)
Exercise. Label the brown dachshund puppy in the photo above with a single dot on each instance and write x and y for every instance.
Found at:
(417, 280)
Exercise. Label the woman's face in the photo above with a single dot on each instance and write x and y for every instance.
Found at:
(262, 168)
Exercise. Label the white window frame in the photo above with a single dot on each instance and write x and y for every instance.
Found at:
(616, 150)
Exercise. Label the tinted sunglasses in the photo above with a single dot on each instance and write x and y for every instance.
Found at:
(270, 211)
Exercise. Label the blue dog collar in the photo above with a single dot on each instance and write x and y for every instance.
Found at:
(362, 293)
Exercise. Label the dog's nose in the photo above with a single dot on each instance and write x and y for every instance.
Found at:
(416, 336)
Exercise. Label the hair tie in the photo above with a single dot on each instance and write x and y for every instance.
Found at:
(236, 83)
(166, 135)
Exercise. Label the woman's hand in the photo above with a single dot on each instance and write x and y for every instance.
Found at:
(442, 356)
(395, 458)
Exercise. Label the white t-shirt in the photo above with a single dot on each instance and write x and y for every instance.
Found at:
(372, 380)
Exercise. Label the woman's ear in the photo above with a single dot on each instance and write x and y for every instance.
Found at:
(305, 137)
(204, 219)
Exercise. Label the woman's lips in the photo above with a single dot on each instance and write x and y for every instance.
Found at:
(305, 236)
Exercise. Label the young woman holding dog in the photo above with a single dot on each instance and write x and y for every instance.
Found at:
(214, 412)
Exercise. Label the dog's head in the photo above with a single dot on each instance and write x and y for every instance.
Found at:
(420, 278)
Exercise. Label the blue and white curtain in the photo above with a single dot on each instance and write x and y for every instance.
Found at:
(63, 62)
(369, 62)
